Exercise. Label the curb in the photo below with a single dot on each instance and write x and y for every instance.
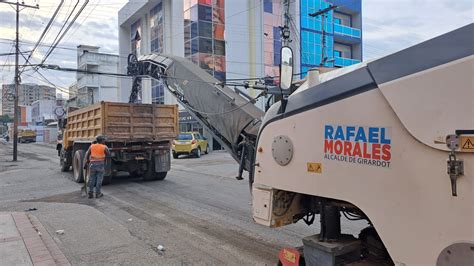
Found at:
(40, 245)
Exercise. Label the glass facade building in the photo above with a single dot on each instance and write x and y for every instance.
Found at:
(272, 20)
(204, 43)
(342, 34)
(157, 46)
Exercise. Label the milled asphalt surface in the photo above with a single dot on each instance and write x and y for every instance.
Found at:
(200, 213)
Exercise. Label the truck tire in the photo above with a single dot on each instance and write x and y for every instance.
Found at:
(107, 179)
(151, 175)
(77, 163)
(155, 176)
(207, 149)
(160, 175)
(175, 155)
(63, 161)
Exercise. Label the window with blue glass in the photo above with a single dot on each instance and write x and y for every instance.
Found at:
(268, 6)
(205, 29)
(156, 28)
(157, 92)
(205, 13)
(205, 44)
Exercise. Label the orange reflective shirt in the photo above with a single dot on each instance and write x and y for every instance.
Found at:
(98, 152)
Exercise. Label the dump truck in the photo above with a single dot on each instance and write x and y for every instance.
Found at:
(138, 136)
(389, 142)
(26, 135)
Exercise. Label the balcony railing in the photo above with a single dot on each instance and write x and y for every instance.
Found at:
(345, 30)
(343, 62)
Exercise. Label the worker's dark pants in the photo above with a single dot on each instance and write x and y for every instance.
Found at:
(96, 176)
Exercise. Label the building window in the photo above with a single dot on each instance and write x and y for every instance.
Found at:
(268, 6)
(135, 37)
(205, 13)
(205, 29)
(204, 22)
(157, 92)
(157, 28)
(311, 37)
(272, 38)
(205, 45)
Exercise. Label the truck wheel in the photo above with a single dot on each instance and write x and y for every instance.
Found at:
(154, 176)
(175, 155)
(77, 163)
(207, 149)
(107, 179)
(197, 153)
(160, 175)
(63, 161)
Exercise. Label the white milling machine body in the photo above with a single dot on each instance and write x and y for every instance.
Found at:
(373, 140)
(390, 141)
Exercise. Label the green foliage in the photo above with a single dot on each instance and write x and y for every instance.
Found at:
(5, 119)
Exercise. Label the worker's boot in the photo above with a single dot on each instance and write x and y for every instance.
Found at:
(99, 195)
(90, 195)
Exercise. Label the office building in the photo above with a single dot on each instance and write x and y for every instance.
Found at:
(237, 39)
(94, 88)
(27, 94)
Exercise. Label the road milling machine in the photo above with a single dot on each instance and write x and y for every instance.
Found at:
(390, 141)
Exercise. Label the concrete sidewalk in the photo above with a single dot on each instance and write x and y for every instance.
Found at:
(24, 241)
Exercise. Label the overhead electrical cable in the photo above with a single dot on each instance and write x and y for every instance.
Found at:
(45, 31)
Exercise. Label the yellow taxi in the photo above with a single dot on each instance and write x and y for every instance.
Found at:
(190, 143)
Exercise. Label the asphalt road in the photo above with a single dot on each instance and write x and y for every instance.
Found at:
(200, 213)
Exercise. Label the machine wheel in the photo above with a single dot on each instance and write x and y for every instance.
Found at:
(63, 161)
(197, 153)
(207, 149)
(77, 163)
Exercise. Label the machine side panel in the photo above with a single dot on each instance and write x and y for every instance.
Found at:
(434, 103)
(402, 186)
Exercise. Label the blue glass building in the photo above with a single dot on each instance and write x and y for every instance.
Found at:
(342, 34)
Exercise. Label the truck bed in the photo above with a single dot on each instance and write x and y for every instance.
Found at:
(123, 122)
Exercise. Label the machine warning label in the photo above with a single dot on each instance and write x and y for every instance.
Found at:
(314, 168)
(359, 145)
(467, 143)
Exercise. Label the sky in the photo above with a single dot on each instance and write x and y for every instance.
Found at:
(388, 26)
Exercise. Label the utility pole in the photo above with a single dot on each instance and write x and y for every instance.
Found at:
(17, 74)
(323, 13)
(285, 29)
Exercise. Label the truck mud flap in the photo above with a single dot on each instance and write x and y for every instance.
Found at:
(162, 161)
(108, 167)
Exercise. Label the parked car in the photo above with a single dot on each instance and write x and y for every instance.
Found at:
(190, 143)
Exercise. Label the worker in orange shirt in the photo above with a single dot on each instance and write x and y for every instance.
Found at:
(95, 159)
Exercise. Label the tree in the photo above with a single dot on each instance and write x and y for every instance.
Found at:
(5, 119)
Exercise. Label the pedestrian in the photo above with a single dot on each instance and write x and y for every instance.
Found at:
(95, 160)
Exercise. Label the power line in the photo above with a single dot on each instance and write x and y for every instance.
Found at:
(45, 31)
(60, 35)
